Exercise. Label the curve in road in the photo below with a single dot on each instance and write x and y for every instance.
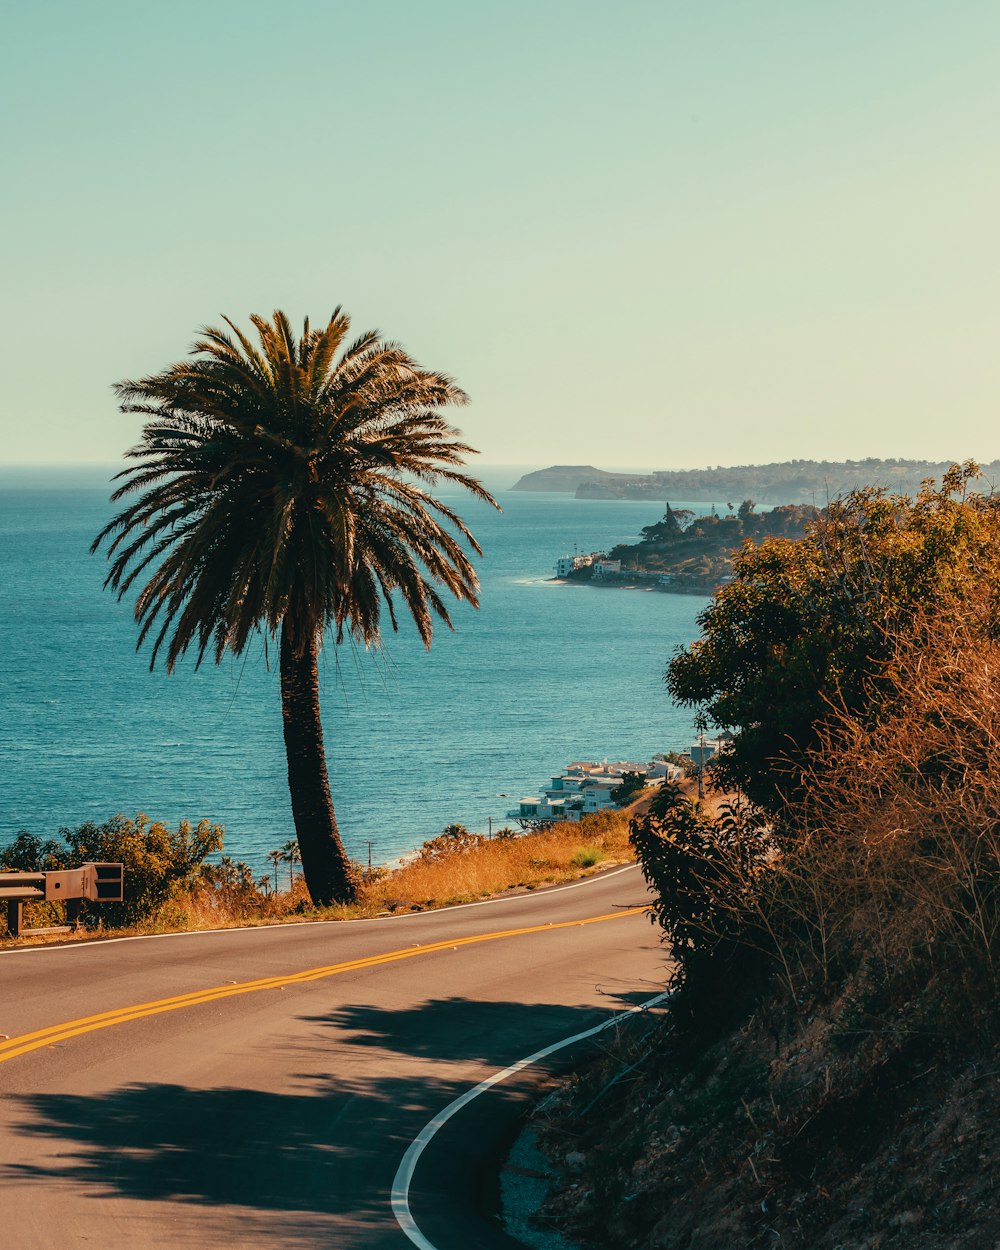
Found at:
(274, 1112)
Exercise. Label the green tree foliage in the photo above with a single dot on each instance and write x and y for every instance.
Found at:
(877, 887)
(671, 527)
(158, 862)
(702, 872)
(806, 627)
(29, 853)
(631, 785)
(279, 491)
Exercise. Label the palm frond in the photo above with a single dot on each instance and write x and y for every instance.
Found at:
(283, 481)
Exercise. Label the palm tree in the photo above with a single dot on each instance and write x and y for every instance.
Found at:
(292, 856)
(281, 492)
(276, 858)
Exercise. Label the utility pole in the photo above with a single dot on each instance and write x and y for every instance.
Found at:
(701, 765)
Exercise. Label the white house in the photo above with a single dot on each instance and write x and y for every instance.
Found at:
(585, 786)
(569, 564)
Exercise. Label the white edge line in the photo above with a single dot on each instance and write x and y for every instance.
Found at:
(404, 1173)
(95, 942)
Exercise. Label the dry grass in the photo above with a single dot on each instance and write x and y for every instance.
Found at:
(901, 822)
(485, 869)
(562, 853)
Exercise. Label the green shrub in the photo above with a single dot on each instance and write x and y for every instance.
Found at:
(706, 878)
(28, 853)
(631, 785)
(159, 863)
(587, 857)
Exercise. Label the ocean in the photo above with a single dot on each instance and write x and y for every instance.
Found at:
(540, 675)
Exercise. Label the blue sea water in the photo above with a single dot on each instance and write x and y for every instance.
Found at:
(542, 674)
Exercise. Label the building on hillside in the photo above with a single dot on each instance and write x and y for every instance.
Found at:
(605, 568)
(585, 786)
(569, 564)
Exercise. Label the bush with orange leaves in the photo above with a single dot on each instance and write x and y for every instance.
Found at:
(878, 888)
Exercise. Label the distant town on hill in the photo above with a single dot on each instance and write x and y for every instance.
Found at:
(791, 481)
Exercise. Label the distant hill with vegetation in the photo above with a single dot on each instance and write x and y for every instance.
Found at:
(791, 481)
(567, 478)
(692, 554)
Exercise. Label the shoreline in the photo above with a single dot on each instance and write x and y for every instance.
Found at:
(607, 584)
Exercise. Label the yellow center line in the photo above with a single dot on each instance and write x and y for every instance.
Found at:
(26, 1042)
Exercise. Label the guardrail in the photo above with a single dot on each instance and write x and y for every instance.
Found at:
(92, 883)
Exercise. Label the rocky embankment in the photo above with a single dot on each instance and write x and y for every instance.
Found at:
(790, 1131)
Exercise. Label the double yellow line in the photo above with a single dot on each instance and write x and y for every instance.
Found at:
(27, 1042)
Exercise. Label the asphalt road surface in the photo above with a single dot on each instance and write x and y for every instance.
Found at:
(259, 1088)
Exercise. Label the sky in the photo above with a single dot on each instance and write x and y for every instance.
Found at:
(654, 234)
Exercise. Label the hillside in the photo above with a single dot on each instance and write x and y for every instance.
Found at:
(793, 481)
(826, 1072)
(566, 478)
(775, 1136)
(696, 555)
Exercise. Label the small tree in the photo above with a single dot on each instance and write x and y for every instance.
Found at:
(670, 528)
(704, 874)
(631, 784)
(158, 862)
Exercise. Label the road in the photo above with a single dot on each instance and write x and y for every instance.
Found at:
(258, 1088)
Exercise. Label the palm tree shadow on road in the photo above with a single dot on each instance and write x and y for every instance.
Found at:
(461, 1029)
(330, 1147)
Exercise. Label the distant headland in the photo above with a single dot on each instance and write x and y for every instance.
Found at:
(685, 554)
(791, 481)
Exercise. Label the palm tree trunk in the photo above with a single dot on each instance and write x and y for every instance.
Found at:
(327, 870)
